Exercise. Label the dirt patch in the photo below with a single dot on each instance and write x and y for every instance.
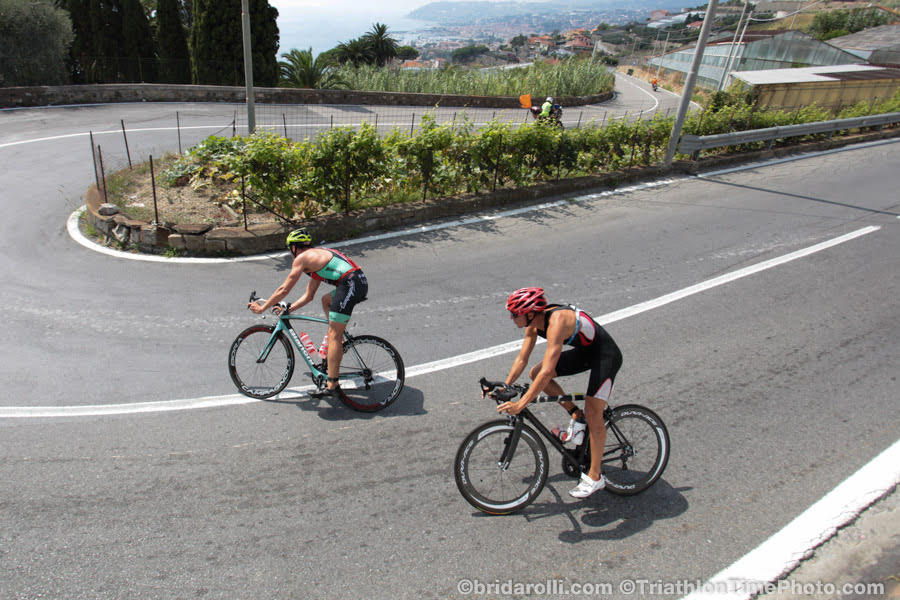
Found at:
(181, 201)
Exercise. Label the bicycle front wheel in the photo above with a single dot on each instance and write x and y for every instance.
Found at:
(371, 374)
(482, 479)
(637, 449)
(257, 376)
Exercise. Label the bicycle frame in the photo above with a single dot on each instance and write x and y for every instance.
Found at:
(575, 460)
(285, 326)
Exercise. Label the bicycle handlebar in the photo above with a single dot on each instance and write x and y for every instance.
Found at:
(284, 306)
(500, 391)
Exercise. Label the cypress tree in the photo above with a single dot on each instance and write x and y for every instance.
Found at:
(217, 52)
(81, 51)
(174, 60)
(106, 43)
(138, 45)
(264, 28)
(113, 41)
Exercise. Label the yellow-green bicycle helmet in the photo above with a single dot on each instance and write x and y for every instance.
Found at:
(300, 237)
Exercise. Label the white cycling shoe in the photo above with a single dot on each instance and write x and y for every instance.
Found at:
(574, 433)
(587, 486)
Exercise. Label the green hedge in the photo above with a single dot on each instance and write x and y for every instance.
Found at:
(345, 168)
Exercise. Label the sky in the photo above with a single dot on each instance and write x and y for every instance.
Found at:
(323, 24)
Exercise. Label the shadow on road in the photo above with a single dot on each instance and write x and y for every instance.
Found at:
(410, 403)
(802, 197)
(606, 516)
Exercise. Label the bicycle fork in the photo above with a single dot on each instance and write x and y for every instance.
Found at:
(510, 443)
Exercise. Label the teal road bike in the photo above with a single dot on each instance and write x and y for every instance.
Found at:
(261, 363)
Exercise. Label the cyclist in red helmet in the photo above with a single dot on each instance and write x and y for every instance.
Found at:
(592, 349)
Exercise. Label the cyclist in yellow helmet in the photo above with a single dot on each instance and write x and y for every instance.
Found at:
(332, 267)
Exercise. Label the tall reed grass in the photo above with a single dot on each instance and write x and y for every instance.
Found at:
(571, 77)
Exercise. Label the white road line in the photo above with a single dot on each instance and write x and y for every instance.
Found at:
(629, 81)
(782, 552)
(106, 132)
(438, 365)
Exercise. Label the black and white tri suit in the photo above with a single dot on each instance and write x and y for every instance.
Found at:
(593, 348)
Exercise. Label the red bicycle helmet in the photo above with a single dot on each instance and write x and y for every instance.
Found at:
(526, 300)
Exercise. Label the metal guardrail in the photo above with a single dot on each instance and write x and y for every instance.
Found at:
(693, 144)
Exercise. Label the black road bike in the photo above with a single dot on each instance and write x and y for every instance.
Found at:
(502, 466)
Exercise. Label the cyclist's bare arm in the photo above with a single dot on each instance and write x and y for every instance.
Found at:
(307, 297)
(548, 368)
(521, 360)
(283, 290)
(560, 326)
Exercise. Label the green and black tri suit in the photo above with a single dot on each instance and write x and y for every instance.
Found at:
(351, 286)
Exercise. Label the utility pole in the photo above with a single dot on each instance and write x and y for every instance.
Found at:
(731, 49)
(689, 83)
(740, 41)
(248, 67)
(666, 45)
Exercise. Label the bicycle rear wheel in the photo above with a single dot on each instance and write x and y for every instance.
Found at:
(485, 484)
(637, 449)
(371, 373)
(260, 379)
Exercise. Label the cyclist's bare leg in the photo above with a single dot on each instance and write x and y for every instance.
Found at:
(554, 389)
(594, 408)
(335, 350)
(326, 302)
(335, 341)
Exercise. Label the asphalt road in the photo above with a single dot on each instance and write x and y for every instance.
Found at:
(775, 387)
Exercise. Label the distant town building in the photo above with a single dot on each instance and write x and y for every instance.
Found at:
(542, 43)
(668, 21)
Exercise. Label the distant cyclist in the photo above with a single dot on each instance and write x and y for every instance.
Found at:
(330, 266)
(546, 107)
(593, 349)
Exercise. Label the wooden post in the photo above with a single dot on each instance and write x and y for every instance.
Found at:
(153, 184)
(127, 152)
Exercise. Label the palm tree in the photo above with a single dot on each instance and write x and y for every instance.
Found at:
(383, 46)
(301, 70)
(358, 51)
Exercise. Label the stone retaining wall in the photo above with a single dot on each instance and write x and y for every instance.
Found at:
(203, 240)
(17, 97)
